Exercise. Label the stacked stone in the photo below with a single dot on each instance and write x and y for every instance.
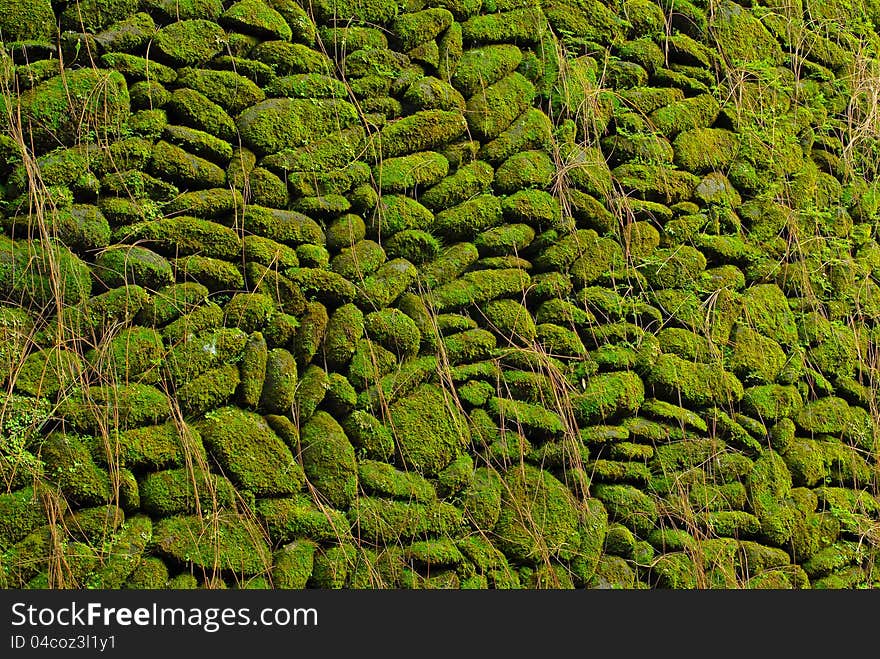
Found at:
(472, 295)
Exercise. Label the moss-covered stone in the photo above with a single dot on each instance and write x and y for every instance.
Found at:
(492, 111)
(519, 26)
(430, 432)
(607, 395)
(755, 358)
(292, 565)
(286, 123)
(299, 517)
(386, 520)
(403, 173)
(177, 491)
(250, 452)
(190, 42)
(229, 541)
(329, 460)
(695, 383)
(65, 108)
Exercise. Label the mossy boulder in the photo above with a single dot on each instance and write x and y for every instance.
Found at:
(467, 181)
(527, 169)
(122, 265)
(539, 517)
(70, 464)
(329, 460)
(176, 491)
(481, 67)
(741, 38)
(67, 107)
(755, 358)
(253, 456)
(190, 42)
(705, 149)
(403, 173)
(429, 430)
(28, 21)
(608, 395)
(421, 131)
(279, 387)
(492, 111)
(230, 542)
(693, 382)
(288, 123)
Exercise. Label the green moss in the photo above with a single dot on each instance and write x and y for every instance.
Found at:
(520, 26)
(249, 312)
(257, 18)
(607, 395)
(127, 34)
(479, 286)
(279, 387)
(414, 245)
(43, 274)
(358, 260)
(693, 382)
(560, 341)
(176, 164)
(430, 432)
(340, 397)
(344, 328)
(421, 131)
(329, 460)
(686, 114)
(249, 451)
(393, 330)
(311, 391)
(511, 320)
(69, 463)
(481, 67)
(772, 402)
(139, 68)
(826, 415)
(292, 565)
(494, 110)
(123, 554)
(311, 332)
(382, 479)
(65, 107)
(127, 405)
(388, 283)
(533, 420)
(159, 447)
(527, 169)
(176, 491)
(367, 11)
(539, 516)
(296, 518)
(46, 372)
(228, 541)
(407, 172)
(755, 359)
(208, 391)
(283, 226)
(369, 363)
(386, 521)
(413, 29)
(530, 130)
(705, 149)
(204, 317)
(286, 123)
(26, 21)
(369, 434)
(189, 42)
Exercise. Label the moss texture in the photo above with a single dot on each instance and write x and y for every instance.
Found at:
(500, 294)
